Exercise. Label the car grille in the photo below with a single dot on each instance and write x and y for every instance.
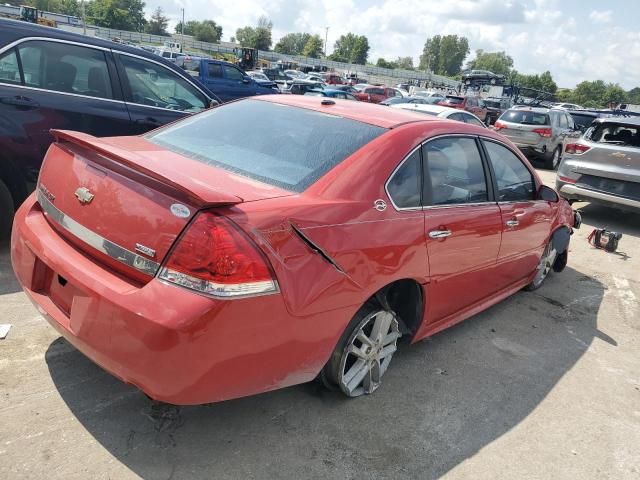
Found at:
(620, 188)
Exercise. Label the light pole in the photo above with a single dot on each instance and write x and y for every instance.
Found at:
(84, 18)
(182, 31)
(326, 34)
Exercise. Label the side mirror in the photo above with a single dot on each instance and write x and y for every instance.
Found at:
(548, 194)
(213, 103)
(246, 79)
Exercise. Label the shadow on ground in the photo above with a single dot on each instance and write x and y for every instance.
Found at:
(442, 401)
(8, 282)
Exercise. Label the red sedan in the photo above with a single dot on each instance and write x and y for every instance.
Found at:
(201, 263)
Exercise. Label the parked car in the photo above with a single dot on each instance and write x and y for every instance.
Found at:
(277, 75)
(408, 99)
(314, 78)
(377, 94)
(540, 133)
(300, 87)
(189, 62)
(495, 108)
(332, 79)
(482, 75)
(604, 165)
(50, 78)
(182, 260)
(230, 82)
(443, 112)
(568, 106)
(262, 80)
(331, 94)
(583, 119)
(345, 88)
(471, 104)
(294, 74)
(354, 81)
(360, 86)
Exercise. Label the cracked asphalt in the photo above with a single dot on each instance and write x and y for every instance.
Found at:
(543, 385)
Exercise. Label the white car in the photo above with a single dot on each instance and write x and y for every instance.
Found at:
(568, 106)
(258, 76)
(294, 73)
(443, 112)
(314, 78)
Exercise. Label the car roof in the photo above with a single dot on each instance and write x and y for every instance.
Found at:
(631, 120)
(364, 112)
(436, 109)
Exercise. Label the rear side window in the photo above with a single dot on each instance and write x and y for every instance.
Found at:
(525, 117)
(405, 185)
(515, 182)
(292, 150)
(455, 171)
(65, 68)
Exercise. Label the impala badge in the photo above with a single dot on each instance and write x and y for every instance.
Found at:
(84, 195)
(149, 252)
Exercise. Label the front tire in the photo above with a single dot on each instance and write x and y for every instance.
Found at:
(364, 351)
(544, 267)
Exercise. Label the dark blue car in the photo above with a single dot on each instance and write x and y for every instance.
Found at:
(50, 78)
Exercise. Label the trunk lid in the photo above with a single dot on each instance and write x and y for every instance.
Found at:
(124, 201)
(521, 134)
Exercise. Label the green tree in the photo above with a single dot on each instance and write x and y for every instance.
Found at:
(589, 94)
(117, 14)
(351, 48)
(633, 95)
(189, 27)
(444, 55)
(496, 62)
(382, 63)
(158, 23)
(542, 82)
(313, 47)
(256, 37)
(204, 31)
(404, 62)
(292, 43)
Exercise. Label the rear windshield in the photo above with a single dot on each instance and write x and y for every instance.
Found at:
(582, 120)
(285, 146)
(454, 100)
(525, 117)
(615, 133)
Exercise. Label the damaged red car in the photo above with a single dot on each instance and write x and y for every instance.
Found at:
(223, 256)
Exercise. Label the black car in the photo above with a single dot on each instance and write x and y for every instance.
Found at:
(583, 119)
(482, 76)
(50, 78)
(495, 108)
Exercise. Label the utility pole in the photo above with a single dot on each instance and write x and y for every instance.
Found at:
(182, 31)
(326, 34)
(84, 18)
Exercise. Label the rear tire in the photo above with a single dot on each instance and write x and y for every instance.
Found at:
(364, 352)
(552, 162)
(7, 211)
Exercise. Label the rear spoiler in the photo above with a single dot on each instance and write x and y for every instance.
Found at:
(164, 177)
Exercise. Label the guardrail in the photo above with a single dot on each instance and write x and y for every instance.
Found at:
(228, 47)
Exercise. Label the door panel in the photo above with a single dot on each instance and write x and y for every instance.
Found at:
(461, 265)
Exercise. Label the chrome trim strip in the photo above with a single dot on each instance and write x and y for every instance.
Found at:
(458, 205)
(49, 39)
(113, 250)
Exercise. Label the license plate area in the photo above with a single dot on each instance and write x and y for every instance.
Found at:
(55, 286)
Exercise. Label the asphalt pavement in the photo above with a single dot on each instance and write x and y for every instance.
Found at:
(545, 385)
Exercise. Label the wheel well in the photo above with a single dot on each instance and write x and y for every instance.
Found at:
(405, 298)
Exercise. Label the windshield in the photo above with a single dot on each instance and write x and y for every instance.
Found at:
(292, 150)
(615, 133)
(525, 117)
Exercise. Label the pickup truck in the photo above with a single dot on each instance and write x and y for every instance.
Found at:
(377, 94)
(228, 81)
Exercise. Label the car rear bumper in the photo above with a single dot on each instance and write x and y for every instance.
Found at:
(176, 346)
(575, 192)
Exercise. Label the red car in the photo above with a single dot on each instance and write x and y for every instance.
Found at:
(333, 79)
(474, 105)
(200, 263)
(375, 94)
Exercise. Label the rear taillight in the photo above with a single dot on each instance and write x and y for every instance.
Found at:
(576, 148)
(567, 179)
(543, 132)
(215, 258)
(499, 125)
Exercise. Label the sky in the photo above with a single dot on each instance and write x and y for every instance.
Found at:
(575, 40)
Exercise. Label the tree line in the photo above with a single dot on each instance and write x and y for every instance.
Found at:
(441, 54)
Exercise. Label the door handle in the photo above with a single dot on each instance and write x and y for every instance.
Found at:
(512, 223)
(439, 233)
(20, 101)
(149, 121)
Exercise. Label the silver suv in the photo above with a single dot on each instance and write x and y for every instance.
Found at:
(604, 165)
(538, 132)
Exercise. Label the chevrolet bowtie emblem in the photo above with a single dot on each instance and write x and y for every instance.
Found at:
(84, 195)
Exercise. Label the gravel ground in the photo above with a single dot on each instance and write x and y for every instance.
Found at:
(543, 385)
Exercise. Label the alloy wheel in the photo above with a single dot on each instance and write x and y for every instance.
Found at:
(368, 353)
(545, 265)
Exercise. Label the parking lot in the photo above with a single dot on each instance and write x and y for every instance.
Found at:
(542, 385)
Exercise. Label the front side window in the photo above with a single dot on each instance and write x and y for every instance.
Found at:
(9, 71)
(214, 70)
(65, 68)
(455, 171)
(405, 185)
(153, 85)
(233, 73)
(515, 182)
